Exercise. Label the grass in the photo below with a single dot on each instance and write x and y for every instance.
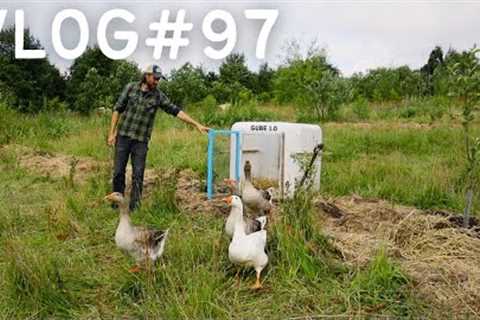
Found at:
(411, 166)
(64, 264)
(58, 258)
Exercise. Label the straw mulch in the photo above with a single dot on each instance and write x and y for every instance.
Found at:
(442, 259)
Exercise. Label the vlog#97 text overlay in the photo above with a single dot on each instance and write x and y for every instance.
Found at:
(171, 30)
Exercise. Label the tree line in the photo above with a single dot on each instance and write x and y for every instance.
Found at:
(309, 82)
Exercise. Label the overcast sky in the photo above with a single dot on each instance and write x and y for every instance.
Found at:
(358, 35)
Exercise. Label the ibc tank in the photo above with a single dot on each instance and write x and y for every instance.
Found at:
(276, 151)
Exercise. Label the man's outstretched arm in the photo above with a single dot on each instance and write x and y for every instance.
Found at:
(187, 119)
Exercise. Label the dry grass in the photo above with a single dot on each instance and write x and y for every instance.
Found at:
(442, 259)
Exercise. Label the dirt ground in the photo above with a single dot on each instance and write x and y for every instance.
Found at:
(76, 169)
(442, 258)
(189, 195)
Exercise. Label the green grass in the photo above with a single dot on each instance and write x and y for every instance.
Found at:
(58, 258)
(419, 167)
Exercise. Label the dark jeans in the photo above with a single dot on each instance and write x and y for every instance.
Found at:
(126, 147)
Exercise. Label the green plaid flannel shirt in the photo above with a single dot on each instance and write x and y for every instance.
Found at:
(138, 110)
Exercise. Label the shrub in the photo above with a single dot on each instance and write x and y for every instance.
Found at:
(361, 109)
(408, 112)
(209, 110)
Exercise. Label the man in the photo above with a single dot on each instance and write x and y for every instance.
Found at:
(134, 113)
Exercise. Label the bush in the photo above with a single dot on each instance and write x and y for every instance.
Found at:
(361, 109)
(246, 109)
(387, 84)
(54, 105)
(408, 112)
(313, 85)
(10, 126)
(209, 110)
(436, 107)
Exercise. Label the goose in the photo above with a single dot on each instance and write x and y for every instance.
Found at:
(143, 244)
(255, 199)
(247, 249)
(250, 225)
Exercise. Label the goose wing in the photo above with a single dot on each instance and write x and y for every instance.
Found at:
(150, 237)
(266, 195)
(252, 225)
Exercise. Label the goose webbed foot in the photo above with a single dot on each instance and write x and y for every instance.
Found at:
(258, 284)
(134, 269)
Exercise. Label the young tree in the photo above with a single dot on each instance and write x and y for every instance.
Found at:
(108, 78)
(234, 77)
(124, 73)
(186, 85)
(264, 81)
(234, 69)
(91, 58)
(435, 61)
(313, 85)
(91, 91)
(465, 86)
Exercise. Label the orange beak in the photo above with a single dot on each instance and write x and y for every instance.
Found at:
(228, 200)
(229, 182)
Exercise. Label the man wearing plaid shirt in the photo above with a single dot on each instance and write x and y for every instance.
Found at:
(134, 113)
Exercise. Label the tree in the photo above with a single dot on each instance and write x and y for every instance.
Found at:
(465, 86)
(29, 82)
(124, 73)
(313, 85)
(186, 85)
(91, 58)
(91, 92)
(435, 61)
(234, 69)
(264, 87)
(386, 84)
(323, 97)
(108, 78)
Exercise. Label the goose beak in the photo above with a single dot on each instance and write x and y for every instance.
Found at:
(229, 182)
(228, 200)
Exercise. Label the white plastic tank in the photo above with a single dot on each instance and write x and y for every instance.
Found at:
(277, 152)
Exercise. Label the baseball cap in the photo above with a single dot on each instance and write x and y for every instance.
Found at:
(156, 71)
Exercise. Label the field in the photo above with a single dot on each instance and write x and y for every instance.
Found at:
(58, 258)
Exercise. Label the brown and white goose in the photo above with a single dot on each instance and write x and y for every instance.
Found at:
(143, 244)
(255, 199)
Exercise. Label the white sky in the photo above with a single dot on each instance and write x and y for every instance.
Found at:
(358, 35)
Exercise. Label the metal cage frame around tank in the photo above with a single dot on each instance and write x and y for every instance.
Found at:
(212, 134)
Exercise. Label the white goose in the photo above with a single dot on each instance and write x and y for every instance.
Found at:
(250, 225)
(141, 243)
(247, 249)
